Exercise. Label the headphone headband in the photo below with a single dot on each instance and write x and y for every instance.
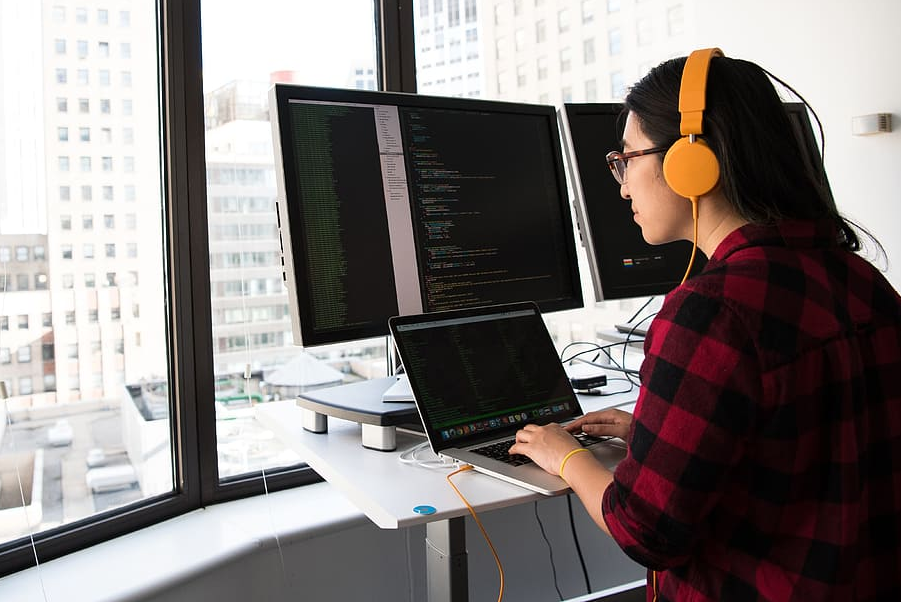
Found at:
(693, 92)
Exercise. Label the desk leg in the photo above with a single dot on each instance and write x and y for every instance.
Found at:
(446, 564)
(314, 421)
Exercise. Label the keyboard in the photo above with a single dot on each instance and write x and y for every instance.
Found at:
(499, 451)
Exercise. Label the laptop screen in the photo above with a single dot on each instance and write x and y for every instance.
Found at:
(479, 374)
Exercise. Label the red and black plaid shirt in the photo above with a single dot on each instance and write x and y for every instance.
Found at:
(765, 454)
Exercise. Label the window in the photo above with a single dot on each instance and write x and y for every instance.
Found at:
(587, 11)
(62, 163)
(124, 18)
(87, 192)
(563, 20)
(89, 280)
(62, 134)
(106, 163)
(675, 21)
(542, 67)
(84, 134)
(5, 254)
(40, 253)
(62, 76)
(102, 16)
(81, 16)
(25, 387)
(84, 105)
(87, 250)
(23, 354)
(127, 106)
(65, 193)
(70, 317)
(84, 77)
(615, 38)
(5, 356)
(105, 106)
(103, 49)
(22, 283)
(62, 105)
(110, 250)
(132, 249)
(82, 48)
(85, 163)
(109, 221)
(125, 77)
(65, 223)
(103, 77)
(59, 46)
(125, 50)
(68, 281)
(23, 318)
(540, 32)
(47, 321)
(617, 87)
(22, 253)
(87, 222)
(565, 60)
(107, 192)
(588, 51)
(644, 32)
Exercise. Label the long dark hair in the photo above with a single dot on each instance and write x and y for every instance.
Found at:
(762, 169)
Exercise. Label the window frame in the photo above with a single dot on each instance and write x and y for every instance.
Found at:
(186, 254)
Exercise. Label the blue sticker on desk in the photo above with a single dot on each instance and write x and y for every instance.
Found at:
(424, 510)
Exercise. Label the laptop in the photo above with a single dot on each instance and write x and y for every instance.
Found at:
(478, 375)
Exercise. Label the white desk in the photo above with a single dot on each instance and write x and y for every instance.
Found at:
(387, 490)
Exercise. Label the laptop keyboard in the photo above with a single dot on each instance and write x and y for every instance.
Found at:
(498, 451)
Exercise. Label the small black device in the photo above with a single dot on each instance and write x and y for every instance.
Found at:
(586, 383)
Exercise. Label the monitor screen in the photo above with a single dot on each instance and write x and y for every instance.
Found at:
(393, 204)
(622, 264)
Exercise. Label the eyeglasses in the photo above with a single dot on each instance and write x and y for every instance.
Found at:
(617, 161)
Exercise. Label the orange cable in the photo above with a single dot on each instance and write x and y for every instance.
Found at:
(694, 245)
(472, 511)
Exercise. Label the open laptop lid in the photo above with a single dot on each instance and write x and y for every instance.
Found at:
(480, 374)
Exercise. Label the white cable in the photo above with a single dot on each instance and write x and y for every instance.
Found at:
(409, 456)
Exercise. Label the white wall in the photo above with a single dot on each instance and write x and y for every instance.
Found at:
(843, 57)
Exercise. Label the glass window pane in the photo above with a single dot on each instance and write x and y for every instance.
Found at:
(110, 443)
(550, 53)
(254, 356)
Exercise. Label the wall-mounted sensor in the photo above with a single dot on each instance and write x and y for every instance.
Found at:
(874, 123)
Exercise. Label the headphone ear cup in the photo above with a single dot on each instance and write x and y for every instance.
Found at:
(690, 168)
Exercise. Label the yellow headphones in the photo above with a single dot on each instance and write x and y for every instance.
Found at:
(689, 167)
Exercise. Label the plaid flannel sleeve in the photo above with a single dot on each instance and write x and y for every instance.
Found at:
(699, 384)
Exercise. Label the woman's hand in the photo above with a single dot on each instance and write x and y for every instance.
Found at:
(603, 423)
(545, 445)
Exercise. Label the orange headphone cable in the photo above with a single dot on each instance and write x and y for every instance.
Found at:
(500, 569)
(694, 242)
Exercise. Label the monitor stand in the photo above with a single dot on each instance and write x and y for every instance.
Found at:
(400, 391)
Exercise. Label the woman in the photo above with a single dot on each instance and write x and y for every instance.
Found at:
(765, 447)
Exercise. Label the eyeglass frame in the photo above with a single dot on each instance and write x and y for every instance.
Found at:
(613, 157)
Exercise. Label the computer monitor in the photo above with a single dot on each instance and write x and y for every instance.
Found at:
(393, 204)
(622, 264)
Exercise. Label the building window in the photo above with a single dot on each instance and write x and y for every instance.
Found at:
(62, 163)
(5, 356)
(87, 250)
(82, 48)
(84, 134)
(70, 318)
(93, 316)
(87, 192)
(85, 163)
(84, 105)
(59, 46)
(103, 77)
(542, 67)
(25, 387)
(89, 280)
(84, 77)
(62, 76)
(23, 354)
(125, 50)
(40, 282)
(613, 6)
(102, 16)
(109, 221)
(521, 75)
(644, 32)
(588, 51)
(126, 79)
(81, 16)
(65, 223)
(615, 38)
(65, 193)
(106, 163)
(58, 14)
(124, 18)
(540, 32)
(105, 106)
(22, 283)
(103, 49)
(39, 252)
(565, 60)
(87, 222)
(675, 23)
(110, 250)
(587, 11)
(62, 105)
(470, 9)
(68, 281)
(617, 87)
(107, 193)
(47, 320)
(132, 249)
(563, 20)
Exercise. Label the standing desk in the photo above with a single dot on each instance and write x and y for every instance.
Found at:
(387, 491)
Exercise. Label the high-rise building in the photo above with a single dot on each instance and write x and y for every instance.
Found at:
(450, 51)
(102, 186)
